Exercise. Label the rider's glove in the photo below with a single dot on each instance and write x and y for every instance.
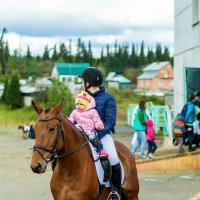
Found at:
(91, 135)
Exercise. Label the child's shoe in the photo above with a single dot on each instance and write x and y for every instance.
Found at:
(151, 155)
(103, 154)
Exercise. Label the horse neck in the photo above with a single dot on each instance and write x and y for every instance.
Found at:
(72, 140)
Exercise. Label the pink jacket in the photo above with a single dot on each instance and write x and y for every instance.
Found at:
(88, 119)
(150, 130)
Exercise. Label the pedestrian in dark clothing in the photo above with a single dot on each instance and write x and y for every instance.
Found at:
(189, 119)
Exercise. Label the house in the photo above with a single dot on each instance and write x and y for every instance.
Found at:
(158, 75)
(28, 93)
(117, 81)
(68, 72)
(186, 50)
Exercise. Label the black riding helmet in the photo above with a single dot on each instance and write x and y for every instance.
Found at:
(93, 76)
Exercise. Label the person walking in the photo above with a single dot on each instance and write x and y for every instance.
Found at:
(196, 125)
(140, 128)
(178, 132)
(151, 139)
(189, 119)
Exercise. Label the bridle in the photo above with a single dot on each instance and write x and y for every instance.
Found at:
(53, 152)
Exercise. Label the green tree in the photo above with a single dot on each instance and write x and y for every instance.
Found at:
(55, 54)
(14, 98)
(45, 54)
(28, 53)
(79, 50)
(150, 56)
(142, 55)
(3, 54)
(158, 52)
(166, 56)
(57, 92)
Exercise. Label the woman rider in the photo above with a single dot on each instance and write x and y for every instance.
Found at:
(106, 108)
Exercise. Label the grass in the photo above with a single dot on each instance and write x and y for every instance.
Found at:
(9, 116)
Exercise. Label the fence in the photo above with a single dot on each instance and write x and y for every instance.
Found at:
(159, 115)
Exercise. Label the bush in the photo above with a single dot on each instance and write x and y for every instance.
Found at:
(56, 93)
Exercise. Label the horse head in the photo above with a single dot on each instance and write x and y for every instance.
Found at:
(47, 133)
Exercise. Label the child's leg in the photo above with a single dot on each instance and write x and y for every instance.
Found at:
(154, 147)
(99, 147)
(149, 146)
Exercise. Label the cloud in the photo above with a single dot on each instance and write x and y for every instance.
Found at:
(36, 22)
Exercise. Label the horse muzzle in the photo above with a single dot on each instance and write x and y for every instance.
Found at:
(39, 168)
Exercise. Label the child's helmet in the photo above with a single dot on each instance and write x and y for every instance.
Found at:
(92, 75)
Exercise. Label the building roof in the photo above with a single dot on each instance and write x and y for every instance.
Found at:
(156, 66)
(71, 68)
(148, 75)
(110, 76)
(121, 79)
(151, 70)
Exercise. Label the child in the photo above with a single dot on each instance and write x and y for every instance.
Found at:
(196, 125)
(178, 131)
(150, 138)
(86, 117)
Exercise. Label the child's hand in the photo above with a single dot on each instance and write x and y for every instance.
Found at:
(100, 126)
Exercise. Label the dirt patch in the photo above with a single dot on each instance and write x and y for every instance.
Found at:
(18, 182)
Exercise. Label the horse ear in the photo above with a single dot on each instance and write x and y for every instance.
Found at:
(37, 108)
(58, 108)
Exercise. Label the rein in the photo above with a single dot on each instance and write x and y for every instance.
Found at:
(53, 154)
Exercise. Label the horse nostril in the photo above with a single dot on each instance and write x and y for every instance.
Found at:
(37, 169)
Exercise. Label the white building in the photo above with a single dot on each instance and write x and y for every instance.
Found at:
(186, 50)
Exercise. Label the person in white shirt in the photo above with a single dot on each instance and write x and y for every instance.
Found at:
(196, 126)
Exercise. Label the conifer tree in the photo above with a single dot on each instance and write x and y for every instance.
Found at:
(13, 95)
(28, 54)
(150, 55)
(54, 56)
(158, 52)
(166, 56)
(45, 54)
(142, 55)
(90, 56)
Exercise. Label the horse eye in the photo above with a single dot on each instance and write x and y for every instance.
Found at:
(51, 129)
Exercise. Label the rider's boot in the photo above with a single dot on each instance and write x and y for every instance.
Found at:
(116, 181)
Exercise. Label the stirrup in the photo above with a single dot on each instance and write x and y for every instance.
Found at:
(114, 193)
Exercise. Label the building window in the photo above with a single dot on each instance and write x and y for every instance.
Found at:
(195, 17)
(160, 82)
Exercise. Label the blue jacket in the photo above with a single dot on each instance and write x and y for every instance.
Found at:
(190, 114)
(107, 110)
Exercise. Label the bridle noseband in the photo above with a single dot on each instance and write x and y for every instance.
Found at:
(53, 152)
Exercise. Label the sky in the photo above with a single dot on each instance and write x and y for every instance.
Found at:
(38, 23)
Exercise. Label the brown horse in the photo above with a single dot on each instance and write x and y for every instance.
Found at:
(25, 133)
(74, 177)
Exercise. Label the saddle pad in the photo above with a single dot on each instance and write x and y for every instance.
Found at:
(99, 168)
